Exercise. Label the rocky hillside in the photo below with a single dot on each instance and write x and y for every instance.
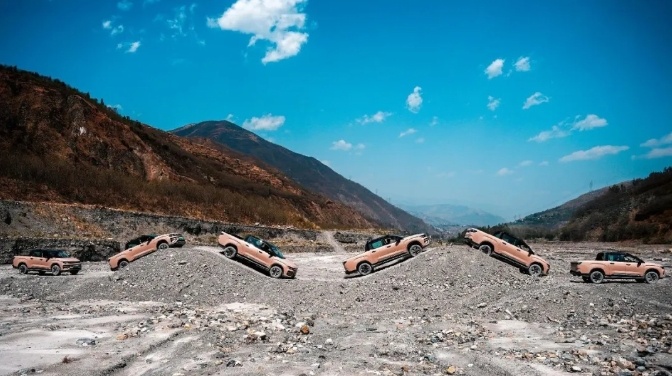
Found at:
(60, 145)
(640, 209)
(306, 171)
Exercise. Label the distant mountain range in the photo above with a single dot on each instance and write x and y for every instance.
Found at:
(306, 171)
(447, 215)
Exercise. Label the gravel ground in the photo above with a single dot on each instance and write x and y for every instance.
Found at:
(450, 310)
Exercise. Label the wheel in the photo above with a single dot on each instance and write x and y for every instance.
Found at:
(55, 270)
(23, 269)
(586, 279)
(596, 276)
(414, 250)
(485, 248)
(123, 264)
(651, 276)
(162, 245)
(535, 270)
(74, 272)
(275, 271)
(230, 252)
(364, 268)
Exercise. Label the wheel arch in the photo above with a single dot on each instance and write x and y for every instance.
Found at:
(414, 242)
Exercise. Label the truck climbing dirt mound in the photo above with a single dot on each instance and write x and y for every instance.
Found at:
(259, 253)
(508, 248)
(142, 246)
(384, 250)
(617, 265)
(53, 261)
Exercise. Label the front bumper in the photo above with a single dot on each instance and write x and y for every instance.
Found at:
(178, 243)
(71, 267)
(291, 272)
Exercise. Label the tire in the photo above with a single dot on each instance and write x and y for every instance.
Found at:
(596, 276)
(55, 270)
(651, 276)
(364, 268)
(23, 269)
(74, 272)
(275, 271)
(535, 270)
(586, 279)
(122, 264)
(486, 248)
(162, 246)
(414, 250)
(230, 252)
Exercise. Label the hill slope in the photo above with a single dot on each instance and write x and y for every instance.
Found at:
(640, 209)
(60, 145)
(307, 171)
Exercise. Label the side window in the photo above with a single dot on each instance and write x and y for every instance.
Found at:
(628, 258)
(377, 244)
(36, 253)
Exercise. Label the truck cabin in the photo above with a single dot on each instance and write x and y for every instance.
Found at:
(513, 240)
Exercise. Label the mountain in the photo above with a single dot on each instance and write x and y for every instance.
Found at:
(306, 171)
(442, 215)
(639, 209)
(558, 216)
(60, 145)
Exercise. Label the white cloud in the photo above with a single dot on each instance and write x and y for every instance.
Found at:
(279, 22)
(116, 107)
(435, 121)
(267, 122)
(378, 117)
(107, 25)
(326, 163)
(504, 171)
(124, 5)
(414, 100)
(493, 103)
(177, 24)
(658, 153)
(230, 118)
(525, 163)
(544, 163)
(591, 121)
(593, 153)
(555, 132)
(420, 140)
(341, 145)
(667, 139)
(534, 100)
(495, 68)
(133, 47)
(407, 132)
(149, 2)
(523, 64)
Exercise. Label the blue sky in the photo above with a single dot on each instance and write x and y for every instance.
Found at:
(507, 106)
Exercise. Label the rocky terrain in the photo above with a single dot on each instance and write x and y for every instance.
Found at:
(450, 310)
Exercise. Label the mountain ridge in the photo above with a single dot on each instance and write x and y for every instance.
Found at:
(306, 171)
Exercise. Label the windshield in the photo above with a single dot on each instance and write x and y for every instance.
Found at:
(276, 251)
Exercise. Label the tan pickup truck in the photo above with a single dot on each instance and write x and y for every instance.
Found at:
(47, 260)
(142, 246)
(507, 248)
(258, 252)
(384, 250)
(616, 265)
